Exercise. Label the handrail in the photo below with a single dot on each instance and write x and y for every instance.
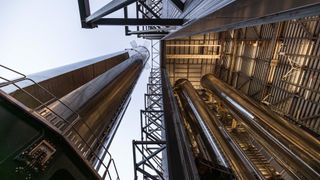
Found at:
(70, 127)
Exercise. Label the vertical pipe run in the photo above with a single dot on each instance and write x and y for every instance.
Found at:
(101, 103)
(222, 147)
(98, 91)
(180, 158)
(99, 100)
(295, 149)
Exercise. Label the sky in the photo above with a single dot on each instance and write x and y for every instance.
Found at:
(37, 35)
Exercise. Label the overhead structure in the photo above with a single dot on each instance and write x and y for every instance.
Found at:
(149, 19)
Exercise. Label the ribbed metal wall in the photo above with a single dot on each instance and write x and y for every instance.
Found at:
(276, 64)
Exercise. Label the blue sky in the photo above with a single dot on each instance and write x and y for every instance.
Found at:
(41, 34)
(36, 35)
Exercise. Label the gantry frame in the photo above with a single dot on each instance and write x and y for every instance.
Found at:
(149, 22)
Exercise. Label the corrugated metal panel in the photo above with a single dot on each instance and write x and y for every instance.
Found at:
(276, 64)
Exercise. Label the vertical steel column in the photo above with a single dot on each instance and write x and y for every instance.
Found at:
(152, 147)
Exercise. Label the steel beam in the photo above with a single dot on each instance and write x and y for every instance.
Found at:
(139, 22)
(84, 10)
(191, 56)
(178, 4)
(193, 45)
(152, 36)
(149, 9)
(108, 9)
(151, 31)
(147, 32)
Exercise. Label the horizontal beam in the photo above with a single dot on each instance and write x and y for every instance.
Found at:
(191, 56)
(153, 38)
(147, 142)
(139, 22)
(147, 32)
(152, 31)
(193, 45)
(108, 9)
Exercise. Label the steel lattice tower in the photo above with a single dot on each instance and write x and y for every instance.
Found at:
(152, 145)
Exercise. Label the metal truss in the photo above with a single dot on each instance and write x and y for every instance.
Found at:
(155, 63)
(149, 21)
(150, 152)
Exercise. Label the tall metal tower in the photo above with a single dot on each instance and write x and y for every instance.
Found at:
(60, 123)
(152, 146)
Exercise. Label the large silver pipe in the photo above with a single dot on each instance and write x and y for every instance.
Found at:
(178, 149)
(84, 102)
(99, 101)
(295, 149)
(225, 150)
(62, 80)
(90, 96)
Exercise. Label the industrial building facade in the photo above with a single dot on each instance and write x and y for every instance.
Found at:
(233, 93)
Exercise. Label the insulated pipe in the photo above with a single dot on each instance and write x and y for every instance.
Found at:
(179, 153)
(84, 102)
(100, 101)
(213, 132)
(295, 149)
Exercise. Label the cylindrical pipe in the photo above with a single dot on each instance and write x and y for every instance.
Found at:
(180, 157)
(85, 101)
(62, 80)
(99, 101)
(221, 145)
(295, 149)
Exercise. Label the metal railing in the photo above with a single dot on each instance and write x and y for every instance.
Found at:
(65, 128)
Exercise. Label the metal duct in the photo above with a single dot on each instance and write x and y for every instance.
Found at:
(62, 80)
(82, 103)
(295, 149)
(222, 147)
(100, 101)
(85, 101)
(178, 147)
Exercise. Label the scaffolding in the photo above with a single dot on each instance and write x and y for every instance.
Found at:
(150, 152)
